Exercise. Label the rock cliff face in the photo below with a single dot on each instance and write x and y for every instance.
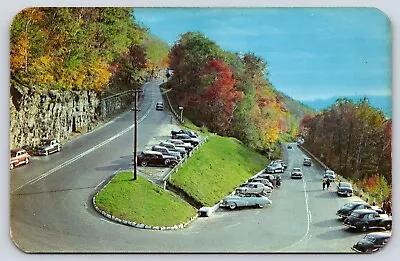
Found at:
(36, 114)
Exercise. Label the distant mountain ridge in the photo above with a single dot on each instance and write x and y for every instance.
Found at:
(382, 102)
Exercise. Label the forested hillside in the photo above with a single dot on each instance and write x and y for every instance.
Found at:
(229, 93)
(355, 140)
(82, 48)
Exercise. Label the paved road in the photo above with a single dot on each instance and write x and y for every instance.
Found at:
(51, 207)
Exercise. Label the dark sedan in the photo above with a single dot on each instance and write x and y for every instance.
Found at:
(344, 189)
(349, 207)
(372, 242)
(364, 219)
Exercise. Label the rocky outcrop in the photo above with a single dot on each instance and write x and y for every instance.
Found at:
(37, 113)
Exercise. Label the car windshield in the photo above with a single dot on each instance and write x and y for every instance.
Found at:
(297, 169)
(370, 238)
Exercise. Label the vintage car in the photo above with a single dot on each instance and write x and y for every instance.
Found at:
(266, 182)
(296, 173)
(372, 242)
(245, 200)
(166, 151)
(251, 188)
(349, 207)
(330, 174)
(180, 143)
(155, 158)
(274, 168)
(364, 219)
(284, 165)
(159, 106)
(344, 189)
(18, 157)
(182, 131)
(186, 138)
(307, 162)
(172, 147)
(48, 146)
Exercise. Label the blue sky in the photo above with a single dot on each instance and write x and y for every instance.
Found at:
(312, 53)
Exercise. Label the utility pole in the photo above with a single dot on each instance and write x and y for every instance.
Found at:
(135, 135)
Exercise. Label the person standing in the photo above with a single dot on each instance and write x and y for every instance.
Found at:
(328, 183)
(389, 208)
(323, 183)
(384, 206)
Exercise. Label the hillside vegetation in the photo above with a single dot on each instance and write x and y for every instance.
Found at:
(229, 93)
(355, 140)
(217, 169)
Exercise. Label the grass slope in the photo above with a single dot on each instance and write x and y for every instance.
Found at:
(142, 202)
(216, 169)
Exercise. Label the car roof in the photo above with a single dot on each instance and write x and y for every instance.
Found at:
(380, 234)
(152, 152)
(347, 184)
(297, 169)
(364, 211)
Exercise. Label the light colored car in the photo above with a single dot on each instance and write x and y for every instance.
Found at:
(245, 200)
(330, 174)
(159, 106)
(296, 173)
(166, 151)
(182, 144)
(251, 188)
(265, 182)
(275, 168)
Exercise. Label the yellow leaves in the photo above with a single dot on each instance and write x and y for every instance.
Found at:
(40, 71)
(33, 14)
(19, 53)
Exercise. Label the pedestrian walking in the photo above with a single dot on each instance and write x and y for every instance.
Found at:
(323, 184)
(384, 206)
(389, 208)
(328, 183)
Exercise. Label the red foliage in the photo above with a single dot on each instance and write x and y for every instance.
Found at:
(372, 181)
(222, 94)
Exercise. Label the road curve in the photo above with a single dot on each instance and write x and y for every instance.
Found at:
(51, 208)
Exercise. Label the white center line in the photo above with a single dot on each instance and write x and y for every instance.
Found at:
(66, 163)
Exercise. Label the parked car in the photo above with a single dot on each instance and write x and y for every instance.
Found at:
(172, 147)
(372, 242)
(274, 179)
(48, 146)
(166, 151)
(307, 162)
(274, 168)
(296, 173)
(349, 207)
(330, 174)
(186, 138)
(284, 165)
(180, 143)
(266, 182)
(18, 157)
(251, 188)
(344, 189)
(159, 106)
(182, 131)
(155, 158)
(245, 200)
(364, 219)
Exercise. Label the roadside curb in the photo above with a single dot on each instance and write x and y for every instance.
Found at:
(208, 211)
(134, 224)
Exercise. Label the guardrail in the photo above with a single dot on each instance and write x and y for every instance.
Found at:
(177, 116)
(357, 191)
(175, 169)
